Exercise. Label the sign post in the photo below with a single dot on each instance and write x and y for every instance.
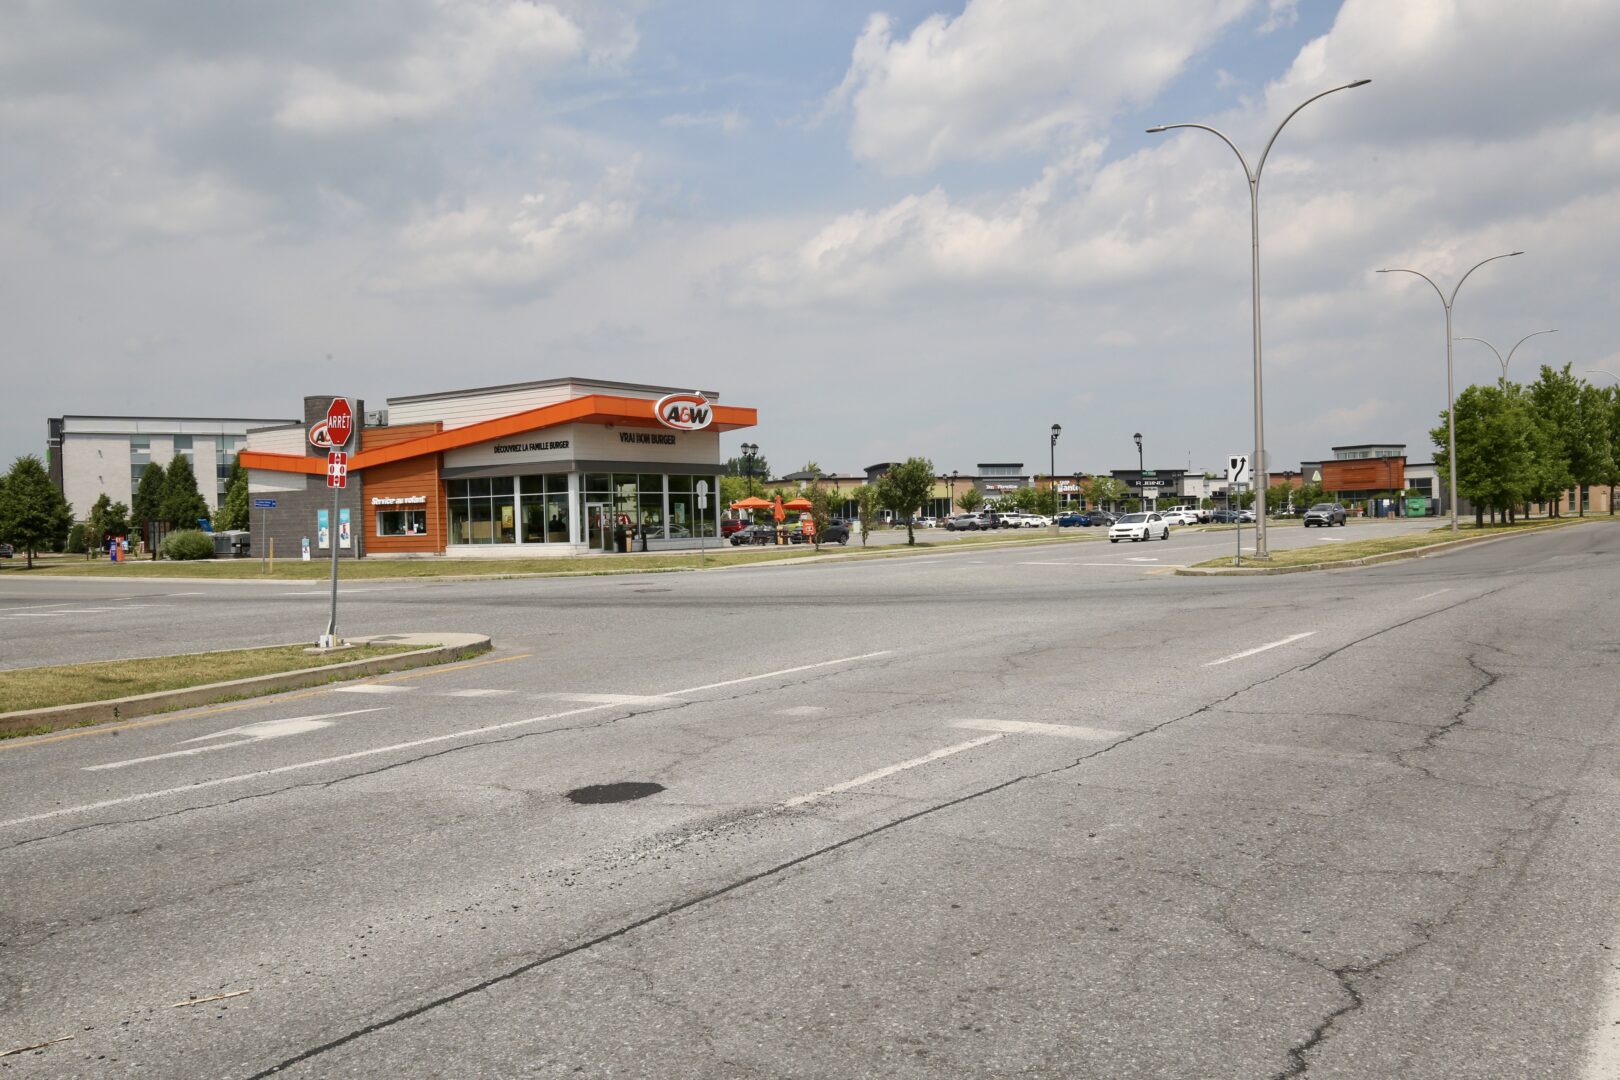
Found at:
(703, 527)
(265, 505)
(1237, 475)
(339, 425)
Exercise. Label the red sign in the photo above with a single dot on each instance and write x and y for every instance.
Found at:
(337, 469)
(339, 422)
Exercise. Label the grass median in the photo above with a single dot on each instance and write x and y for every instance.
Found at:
(369, 569)
(104, 680)
(1350, 550)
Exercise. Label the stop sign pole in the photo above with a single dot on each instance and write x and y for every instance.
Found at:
(339, 426)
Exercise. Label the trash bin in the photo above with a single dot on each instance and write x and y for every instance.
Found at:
(621, 539)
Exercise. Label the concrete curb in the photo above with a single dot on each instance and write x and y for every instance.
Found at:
(1365, 560)
(449, 648)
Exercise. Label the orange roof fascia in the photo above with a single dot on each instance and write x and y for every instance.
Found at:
(590, 409)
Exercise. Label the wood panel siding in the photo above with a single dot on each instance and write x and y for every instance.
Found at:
(1364, 474)
(403, 479)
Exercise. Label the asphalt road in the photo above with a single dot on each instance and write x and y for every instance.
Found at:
(1033, 812)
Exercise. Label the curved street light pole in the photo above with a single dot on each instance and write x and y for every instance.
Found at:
(1451, 398)
(1253, 176)
(1498, 352)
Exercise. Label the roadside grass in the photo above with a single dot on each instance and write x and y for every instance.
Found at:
(371, 569)
(73, 684)
(1383, 545)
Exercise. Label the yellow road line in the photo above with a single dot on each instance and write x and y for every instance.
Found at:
(216, 710)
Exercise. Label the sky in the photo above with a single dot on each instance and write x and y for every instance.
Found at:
(920, 228)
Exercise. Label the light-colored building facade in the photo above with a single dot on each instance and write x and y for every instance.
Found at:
(91, 456)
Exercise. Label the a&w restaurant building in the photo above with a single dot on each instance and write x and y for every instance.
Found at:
(563, 466)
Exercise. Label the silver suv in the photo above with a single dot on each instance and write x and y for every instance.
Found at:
(1324, 514)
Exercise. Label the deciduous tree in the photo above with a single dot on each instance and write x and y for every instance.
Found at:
(869, 502)
(904, 488)
(970, 500)
(234, 513)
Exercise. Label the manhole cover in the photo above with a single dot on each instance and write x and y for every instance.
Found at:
(625, 791)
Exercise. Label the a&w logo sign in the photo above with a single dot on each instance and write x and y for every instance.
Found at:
(684, 412)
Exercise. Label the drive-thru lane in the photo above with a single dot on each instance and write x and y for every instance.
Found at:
(993, 818)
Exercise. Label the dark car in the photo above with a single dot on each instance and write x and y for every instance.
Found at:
(1072, 519)
(1227, 517)
(5, 551)
(1325, 515)
(836, 532)
(1104, 518)
(754, 534)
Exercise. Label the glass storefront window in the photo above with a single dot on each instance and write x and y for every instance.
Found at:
(597, 483)
(401, 522)
(481, 521)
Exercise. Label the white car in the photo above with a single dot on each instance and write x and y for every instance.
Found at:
(1135, 527)
(1180, 516)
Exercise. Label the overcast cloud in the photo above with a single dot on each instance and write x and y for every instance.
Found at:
(923, 228)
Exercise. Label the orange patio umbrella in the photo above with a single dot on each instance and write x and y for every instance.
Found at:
(753, 502)
(796, 504)
(781, 511)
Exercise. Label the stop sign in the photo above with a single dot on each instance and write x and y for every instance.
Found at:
(339, 421)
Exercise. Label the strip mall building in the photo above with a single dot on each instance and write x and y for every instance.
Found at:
(551, 467)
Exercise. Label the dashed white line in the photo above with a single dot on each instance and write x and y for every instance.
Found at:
(1260, 648)
(372, 688)
(784, 671)
(1426, 595)
(1030, 727)
(477, 693)
(890, 770)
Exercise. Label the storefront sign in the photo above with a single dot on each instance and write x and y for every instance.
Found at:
(401, 500)
(646, 437)
(684, 412)
(525, 447)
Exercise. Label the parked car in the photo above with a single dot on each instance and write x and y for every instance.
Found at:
(962, 523)
(1325, 515)
(924, 523)
(1179, 516)
(1246, 516)
(1226, 517)
(1072, 519)
(754, 534)
(732, 525)
(5, 551)
(836, 532)
(1143, 526)
(1101, 517)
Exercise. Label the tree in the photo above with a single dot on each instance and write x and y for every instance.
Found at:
(1103, 489)
(739, 466)
(148, 502)
(1595, 463)
(970, 500)
(234, 513)
(1022, 500)
(821, 507)
(810, 467)
(1611, 395)
(183, 505)
(107, 518)
(1277, 496)
(33, 513)
(1555, 398)
(904, 488)
(1496, 460)
(868, 502)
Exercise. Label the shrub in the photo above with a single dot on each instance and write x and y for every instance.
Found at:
(188, 544)
(75, 544)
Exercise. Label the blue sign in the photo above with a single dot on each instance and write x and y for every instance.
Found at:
(264, 504)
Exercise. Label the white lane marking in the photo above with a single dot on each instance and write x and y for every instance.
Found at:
(372, 688)
(1260, 648)
(1029, 727)
(266, 729)
(451, 736)
(1426, 595)
(890, 770)
(616, 699)
(477, 693)
(784, 671)
(1603, 1053)
(1143, 559)
(1049, 563)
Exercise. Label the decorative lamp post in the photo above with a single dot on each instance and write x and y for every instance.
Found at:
(1051, 474)
(1498, 352)
(750, 459)
(954, 475)
(1253, 176)
(1141, 484)
(1451, 399)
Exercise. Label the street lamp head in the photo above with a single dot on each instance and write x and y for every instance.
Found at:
(1358, 82)
(1138, 438)
(1056, 428)
(1155, 129)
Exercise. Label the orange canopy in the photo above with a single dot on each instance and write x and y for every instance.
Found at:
(780, 511)
(796, 504)
(753, 502)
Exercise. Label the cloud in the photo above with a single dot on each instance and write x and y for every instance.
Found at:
(1279, 14)
(730, 122)
(1003, 79)
(514, 248)
(470, 45)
